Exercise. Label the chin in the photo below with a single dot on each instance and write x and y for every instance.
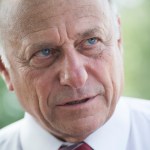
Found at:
(79, 131)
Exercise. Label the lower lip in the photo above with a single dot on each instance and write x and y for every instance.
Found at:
(81, 105)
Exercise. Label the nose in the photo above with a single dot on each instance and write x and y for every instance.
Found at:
(73, 72)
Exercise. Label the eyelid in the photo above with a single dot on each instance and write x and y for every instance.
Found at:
(36, 50)
(38, 59)
(35, 47)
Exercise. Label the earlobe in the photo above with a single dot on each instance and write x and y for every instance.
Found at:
(5, 75)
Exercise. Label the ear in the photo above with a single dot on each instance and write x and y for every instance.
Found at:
(5, 75)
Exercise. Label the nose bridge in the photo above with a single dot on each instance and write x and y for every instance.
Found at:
(73, 71)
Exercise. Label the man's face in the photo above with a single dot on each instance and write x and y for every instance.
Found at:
(65, 64)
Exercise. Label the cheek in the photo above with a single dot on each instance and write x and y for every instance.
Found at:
(45, 85)
(118, 73)
(32, 88)
(24, 90)
(109, 73)
(102, 75)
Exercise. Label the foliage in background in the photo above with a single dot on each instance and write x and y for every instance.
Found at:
(136, 37)
(10, 110)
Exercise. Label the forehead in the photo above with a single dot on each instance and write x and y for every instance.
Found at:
(28, 16)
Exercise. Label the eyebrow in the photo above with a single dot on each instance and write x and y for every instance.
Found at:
(91, 32)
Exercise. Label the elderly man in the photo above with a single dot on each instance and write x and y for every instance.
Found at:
(63, 59)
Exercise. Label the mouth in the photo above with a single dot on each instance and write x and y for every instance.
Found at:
(78, 102)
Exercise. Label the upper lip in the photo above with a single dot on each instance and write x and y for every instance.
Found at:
(65, 101)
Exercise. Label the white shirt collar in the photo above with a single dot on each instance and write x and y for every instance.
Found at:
(112, 135)
(34, 137)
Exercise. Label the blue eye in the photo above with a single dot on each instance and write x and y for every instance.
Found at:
(45, 52)
(91, 41)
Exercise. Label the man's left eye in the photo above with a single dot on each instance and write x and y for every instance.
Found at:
(45, 52)
(91, 41)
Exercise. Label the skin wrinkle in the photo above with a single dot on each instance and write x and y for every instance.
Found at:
(52, 18)
(49, 28)
(18, 19)
(32, 17)
(39, 3)
(79, 11)
(28, 9)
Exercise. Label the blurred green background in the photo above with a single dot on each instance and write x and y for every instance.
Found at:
(135, 16)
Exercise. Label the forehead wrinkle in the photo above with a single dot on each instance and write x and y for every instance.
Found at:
(37, 21)
(33, 13)
(32, 21)
(16, 15)
(10, 15)
(15, 11)
(29, 35)
(42, 25)
(55, 15)
(88, 9)
(44, 22)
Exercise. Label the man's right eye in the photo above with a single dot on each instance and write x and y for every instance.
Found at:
(44, 58)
